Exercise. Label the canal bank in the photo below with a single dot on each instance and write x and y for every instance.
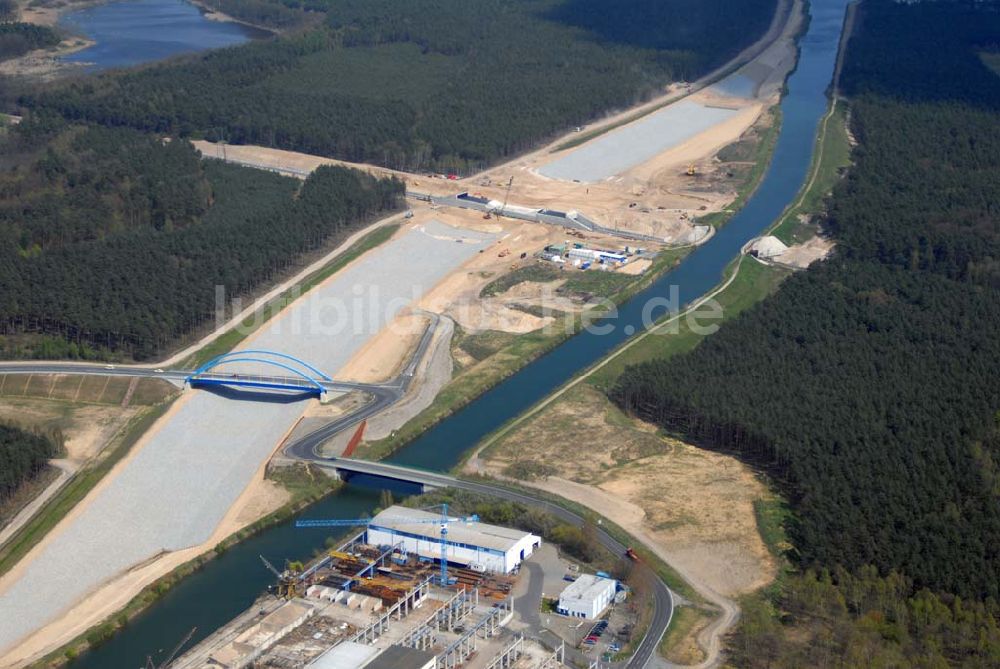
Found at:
(227, 585)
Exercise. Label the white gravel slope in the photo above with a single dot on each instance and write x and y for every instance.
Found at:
(174, 492)
(636, 143)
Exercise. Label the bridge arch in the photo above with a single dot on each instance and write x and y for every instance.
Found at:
(258, 356)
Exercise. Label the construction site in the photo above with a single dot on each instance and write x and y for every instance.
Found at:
(420, 602)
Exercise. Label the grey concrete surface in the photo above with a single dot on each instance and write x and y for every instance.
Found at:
(737, 86)
(624, 148)
(178, 487)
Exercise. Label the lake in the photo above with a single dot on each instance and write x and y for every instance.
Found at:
(226, 586)
(133, 32)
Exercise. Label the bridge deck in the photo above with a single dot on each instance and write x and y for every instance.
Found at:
(250, 383)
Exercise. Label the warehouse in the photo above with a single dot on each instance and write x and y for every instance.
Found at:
(587, 596)
(475, 545)
(596, 255)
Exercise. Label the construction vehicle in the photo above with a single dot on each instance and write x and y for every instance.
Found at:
(498, 212)
(170, 658)
(444, 521)
(288, 580)
(504, 253)
(692, 170)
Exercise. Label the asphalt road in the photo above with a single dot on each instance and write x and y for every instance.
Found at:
(663, 602)
(177, 375)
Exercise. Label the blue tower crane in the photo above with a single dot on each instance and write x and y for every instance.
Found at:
(444, 520)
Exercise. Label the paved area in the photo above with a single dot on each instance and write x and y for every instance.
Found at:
(178, 487)
(636, 143)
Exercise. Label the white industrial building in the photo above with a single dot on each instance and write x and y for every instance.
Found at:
(596, 255)
(587, 596)
(474, 545)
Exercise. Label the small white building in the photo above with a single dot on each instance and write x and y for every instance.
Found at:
(475, 545)
(596, 255)
(587, 596)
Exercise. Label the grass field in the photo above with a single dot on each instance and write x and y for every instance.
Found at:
(500, 354)
(679, 644)
(830, 158)
(759, 150)
(753, 283)
(110, 390)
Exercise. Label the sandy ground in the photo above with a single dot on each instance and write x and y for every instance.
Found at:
(697, 505)
(260, 498)
(431, 376)
(86, 429)
(319, 340)
(618, 199)
(44, 64)
(276, 291)
(386, 353)
(804, 254)
(693, 508)
(457, 296)
(656, 197)
(290, 162)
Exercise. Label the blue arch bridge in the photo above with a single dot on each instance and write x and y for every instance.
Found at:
(290, 373)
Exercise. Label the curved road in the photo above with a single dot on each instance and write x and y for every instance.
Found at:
(663, 601)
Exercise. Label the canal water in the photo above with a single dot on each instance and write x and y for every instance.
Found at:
(228, 585)
(132, 32)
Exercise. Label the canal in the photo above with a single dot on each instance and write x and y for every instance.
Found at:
(229, 584)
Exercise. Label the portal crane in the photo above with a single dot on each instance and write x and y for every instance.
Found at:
(288, 580)
(444, 521)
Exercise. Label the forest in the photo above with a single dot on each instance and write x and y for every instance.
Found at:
(274, 15)
(23, 454)
(445, 85)
(113, 241)
(17, 39)
(869, 387)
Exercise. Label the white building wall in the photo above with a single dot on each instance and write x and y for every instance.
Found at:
(588, 607)
(491, 560)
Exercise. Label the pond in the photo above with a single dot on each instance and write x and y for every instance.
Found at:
(133, 32)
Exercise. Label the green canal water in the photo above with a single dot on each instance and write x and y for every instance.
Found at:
(229, 584)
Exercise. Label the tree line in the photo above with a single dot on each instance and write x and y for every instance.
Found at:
(444, 85)
(870, 386)
(114, 241)
(17, 39)
(23, 455)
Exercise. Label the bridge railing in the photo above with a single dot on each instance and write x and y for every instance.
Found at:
(304, 375)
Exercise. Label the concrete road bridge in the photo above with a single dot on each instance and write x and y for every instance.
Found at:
(292, 375)
(663, 599)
